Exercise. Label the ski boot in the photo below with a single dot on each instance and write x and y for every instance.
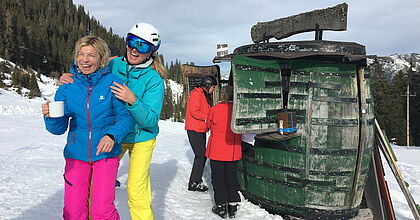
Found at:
(220, 210)
(197, 186)
(232, 209)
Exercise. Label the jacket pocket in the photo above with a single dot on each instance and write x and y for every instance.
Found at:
(64, 176)
(109, 120)
(72, 140)
(141, 130)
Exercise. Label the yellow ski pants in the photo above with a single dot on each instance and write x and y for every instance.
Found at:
(138, 187)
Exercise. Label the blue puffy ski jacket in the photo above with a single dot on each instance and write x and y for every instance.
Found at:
(94, 111)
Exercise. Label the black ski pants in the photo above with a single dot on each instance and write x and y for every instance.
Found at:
(198, 144)
(223, 179)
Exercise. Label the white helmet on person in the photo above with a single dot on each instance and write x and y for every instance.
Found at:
(148, 33)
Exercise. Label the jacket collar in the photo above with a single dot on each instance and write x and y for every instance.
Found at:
(206, 94)
(135, 71)
(141, 65)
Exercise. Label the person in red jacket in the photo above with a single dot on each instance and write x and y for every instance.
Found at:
(224, 150)
(198, 107)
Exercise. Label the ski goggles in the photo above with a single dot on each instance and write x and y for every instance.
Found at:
(141, 45)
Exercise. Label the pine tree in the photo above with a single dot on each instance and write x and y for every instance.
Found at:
(38, 74)
(414, 80)
(2, 77)
(2, 85)
(175, 71)
(9, 35)
(380, 90)
(24, 80)
(16, 76)
(4, 68)
(397, 107)
(415, 113)
(20, 39)
(33, 86)
(167, 108)
(389, 105)
(19, 90)
(179, 111)
(2, 30)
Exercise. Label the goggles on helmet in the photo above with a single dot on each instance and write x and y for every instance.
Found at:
(141, 45)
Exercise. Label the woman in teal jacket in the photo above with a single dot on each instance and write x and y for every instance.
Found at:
(142, 90)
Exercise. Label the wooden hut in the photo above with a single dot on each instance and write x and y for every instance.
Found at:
(192, 78)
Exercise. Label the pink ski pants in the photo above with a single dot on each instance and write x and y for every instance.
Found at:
(79, 176)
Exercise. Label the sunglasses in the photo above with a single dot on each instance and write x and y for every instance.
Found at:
(141, 45)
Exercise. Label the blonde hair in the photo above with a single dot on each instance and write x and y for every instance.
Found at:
(157, 65)
(96, 42)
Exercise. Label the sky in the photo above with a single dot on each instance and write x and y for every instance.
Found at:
(191, 29)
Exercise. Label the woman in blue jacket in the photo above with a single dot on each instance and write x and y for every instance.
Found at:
(97, 123)
(142, 71)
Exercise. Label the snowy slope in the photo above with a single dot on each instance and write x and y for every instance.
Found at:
(177, 89)
(409, 164)
(31, 164)
(397, 62)
(31, 168)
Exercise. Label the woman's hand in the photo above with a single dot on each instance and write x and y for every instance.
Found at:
(66, 78)
(46, 109)
(123, 93)
(105, 145)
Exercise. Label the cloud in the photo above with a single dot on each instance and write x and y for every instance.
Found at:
(191, 29)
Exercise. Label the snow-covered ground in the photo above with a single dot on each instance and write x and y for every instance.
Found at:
(409, 164)
(31, 169)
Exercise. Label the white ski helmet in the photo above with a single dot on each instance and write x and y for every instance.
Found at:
(148, 33)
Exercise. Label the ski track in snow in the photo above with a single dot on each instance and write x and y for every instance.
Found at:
(31, 169)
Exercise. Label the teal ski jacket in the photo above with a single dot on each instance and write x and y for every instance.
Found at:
(149, 89)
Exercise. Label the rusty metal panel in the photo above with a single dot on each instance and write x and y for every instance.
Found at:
(257, 94)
